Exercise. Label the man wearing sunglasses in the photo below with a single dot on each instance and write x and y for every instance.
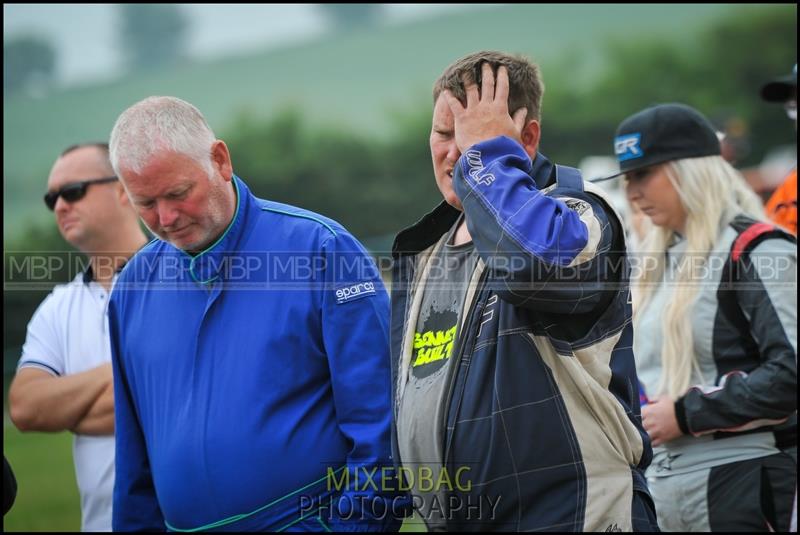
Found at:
(74, 191)
(63, 379)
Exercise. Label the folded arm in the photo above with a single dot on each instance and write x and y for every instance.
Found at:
(40, 401)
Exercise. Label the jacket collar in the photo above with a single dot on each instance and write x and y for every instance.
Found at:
(543, 172)
(430, 228)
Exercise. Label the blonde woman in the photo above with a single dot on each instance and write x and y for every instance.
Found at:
(715, 330)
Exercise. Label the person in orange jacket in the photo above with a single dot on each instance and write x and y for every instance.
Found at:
(782, 206)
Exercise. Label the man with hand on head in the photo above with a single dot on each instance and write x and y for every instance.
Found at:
(513, 372)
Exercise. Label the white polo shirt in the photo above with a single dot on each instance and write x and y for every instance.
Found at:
(69, 334)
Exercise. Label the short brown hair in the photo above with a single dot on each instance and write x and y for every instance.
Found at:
(99, 145)
(525, 83)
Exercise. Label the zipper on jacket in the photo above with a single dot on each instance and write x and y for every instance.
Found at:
(454, 373)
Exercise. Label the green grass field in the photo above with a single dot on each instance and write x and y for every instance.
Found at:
(47, 495)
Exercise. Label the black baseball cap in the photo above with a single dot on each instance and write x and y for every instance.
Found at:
(663, 133)
(781, 89)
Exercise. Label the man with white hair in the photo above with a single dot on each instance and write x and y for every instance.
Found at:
(250, 348)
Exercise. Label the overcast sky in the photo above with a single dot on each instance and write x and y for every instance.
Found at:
(84, 34)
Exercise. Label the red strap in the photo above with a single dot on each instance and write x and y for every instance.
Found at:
(747, 237)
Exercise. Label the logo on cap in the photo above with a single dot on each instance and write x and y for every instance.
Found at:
(627, 147)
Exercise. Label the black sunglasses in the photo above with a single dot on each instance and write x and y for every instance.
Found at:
(73, 192)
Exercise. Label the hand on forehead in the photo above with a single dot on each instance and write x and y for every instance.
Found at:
(486, 113)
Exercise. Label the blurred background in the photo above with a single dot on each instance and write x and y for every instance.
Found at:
(328, 107)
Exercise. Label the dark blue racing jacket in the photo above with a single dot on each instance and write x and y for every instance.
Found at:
(542, 407)
(250, 379)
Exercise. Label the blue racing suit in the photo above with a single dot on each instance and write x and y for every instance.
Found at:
(252, 381)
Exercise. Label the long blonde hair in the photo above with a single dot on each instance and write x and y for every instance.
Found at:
(712, 194)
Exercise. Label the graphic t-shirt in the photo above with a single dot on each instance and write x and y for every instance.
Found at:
(422, 408)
